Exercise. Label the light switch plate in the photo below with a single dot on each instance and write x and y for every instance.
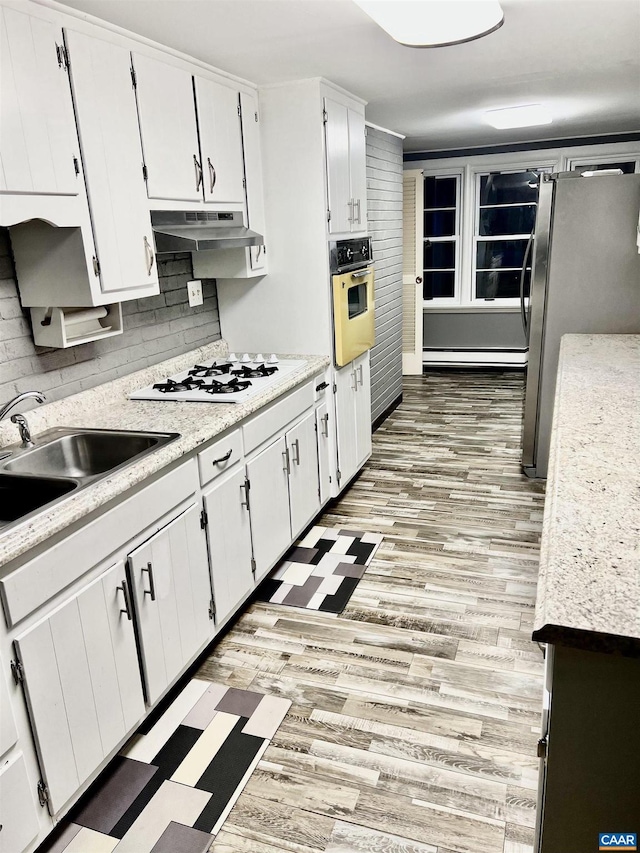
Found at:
(194, 289)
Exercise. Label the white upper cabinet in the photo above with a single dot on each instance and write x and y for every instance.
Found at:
(346, 168)
(167, 113)
(38, 143)
(112, 160)
(220, 142)
(253, 174)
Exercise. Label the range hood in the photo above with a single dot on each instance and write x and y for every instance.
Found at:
(194, 231)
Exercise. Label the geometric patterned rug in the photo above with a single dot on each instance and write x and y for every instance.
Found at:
(321, 571)
(172, 787)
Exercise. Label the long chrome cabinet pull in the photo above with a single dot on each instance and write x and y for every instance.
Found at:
(359, 219)
(124, 589)
(149, 253)
(296, 444)
(287, 465)
(152, 587)
(350, 205)
(354, 376)
(198, 169)
(361, 375)
(246, 486)
(325, 429)
(212, 175)
(224, 458)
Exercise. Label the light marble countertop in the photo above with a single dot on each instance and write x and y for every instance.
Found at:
(589, 582)
(108, 407)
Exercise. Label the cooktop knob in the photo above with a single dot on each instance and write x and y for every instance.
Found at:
(233, 356)
(273, 358)
(259, 357)
(246, 358)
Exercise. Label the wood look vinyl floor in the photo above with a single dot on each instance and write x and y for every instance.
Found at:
(415, 712)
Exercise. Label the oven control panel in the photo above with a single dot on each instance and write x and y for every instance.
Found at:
(345, 255)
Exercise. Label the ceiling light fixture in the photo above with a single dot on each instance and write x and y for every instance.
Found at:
(434, 23)
(529, 115)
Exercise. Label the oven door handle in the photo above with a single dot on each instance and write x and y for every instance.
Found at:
(360, 274)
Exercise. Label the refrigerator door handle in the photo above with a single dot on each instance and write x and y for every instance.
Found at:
(523, 272)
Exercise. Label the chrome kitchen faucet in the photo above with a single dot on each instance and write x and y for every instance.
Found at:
(20, 420)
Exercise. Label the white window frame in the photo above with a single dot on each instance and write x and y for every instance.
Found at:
(603, 160)
(477, 176)
(455, 300)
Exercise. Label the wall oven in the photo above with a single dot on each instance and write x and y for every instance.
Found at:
(352, 281)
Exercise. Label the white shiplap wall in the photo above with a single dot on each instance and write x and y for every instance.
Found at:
(384, 216)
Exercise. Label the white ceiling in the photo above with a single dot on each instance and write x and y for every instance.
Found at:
(579, 57)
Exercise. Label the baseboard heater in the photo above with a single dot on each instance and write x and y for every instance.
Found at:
(468, 357)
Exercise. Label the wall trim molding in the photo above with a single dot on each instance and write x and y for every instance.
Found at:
(511, 147)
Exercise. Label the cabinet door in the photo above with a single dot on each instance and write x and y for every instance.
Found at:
(346, 384)
(253, 175)
(229, 535)
(38, 139)
(8, 731)
(269, 496)
(172, 589)
(19, 817)
(324, 469)
(166, 108)
(363, 408)
(220, 142)
(337, 152)
(82, 682)
(112, 159)
(358, 169)
(304, 489)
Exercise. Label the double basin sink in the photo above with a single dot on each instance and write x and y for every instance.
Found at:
(61, 462)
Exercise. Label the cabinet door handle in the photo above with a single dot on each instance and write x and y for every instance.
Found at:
(286, 466)
(361, 375)
(296, 444)
(152, 587)
(222, 459)
(198, 169)
(350, 205)
(150, 256)
(124, 589)
(354, 377)
(359, 219)
(212, 175)
(325, 428)
(246, 486)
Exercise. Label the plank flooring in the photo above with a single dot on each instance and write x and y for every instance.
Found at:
(416, 711)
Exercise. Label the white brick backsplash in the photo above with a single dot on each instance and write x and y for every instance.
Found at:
(155, 329)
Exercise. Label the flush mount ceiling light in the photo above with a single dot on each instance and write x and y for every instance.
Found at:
(526, 116)
(434, 23)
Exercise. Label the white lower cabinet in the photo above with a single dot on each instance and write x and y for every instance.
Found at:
(353, 416)
(304, 491)
(172, 591)
(269, 500)
(324, 468)
(81, 678)
(229, 535)
(19, 818)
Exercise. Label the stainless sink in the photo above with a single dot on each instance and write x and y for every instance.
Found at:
(83, 454)
(20, 496)
(63, 461)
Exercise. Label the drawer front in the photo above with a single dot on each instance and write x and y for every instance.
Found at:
(220, 457)
(19, 816)
(277, 416)
(39, 580)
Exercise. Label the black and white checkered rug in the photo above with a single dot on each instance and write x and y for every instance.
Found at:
(321, 571)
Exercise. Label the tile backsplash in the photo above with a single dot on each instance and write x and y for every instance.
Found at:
(155, 329)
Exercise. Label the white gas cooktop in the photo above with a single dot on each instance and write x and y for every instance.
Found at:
(231, 380)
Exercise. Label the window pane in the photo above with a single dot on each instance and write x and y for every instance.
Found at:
(496, 284)
(511, 188)
(439, 256)
(494, 254)
(437, 285)
(495, 221)
(440, 192)
(439, 223)
(628, 167)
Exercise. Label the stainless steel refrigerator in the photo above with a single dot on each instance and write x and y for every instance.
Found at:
(585, 278)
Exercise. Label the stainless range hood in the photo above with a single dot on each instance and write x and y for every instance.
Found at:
(194, 231)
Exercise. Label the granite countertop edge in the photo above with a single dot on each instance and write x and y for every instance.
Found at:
(589, 578)
(107, 406)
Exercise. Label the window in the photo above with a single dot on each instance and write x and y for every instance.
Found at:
(441, 233)
(505, 217)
